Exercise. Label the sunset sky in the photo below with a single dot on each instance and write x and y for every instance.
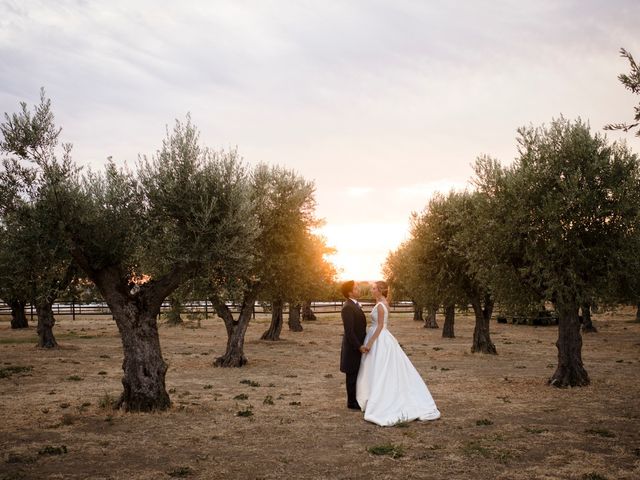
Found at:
(382, 103)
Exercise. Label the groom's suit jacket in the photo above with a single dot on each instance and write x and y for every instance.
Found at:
(355, 329)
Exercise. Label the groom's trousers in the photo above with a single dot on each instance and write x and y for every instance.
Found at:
(351, 389)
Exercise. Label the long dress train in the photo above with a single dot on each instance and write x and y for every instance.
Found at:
(389, 389)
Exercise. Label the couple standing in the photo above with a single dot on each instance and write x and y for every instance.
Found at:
(381, 380)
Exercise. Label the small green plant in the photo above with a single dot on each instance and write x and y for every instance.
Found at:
(536, 430)
(268, 400)
(102, 372)
(389, 449)
(474, 448)
(242, 396)
(251, 383)
(19, 458)
(6, 372)
(207, 387)
(74, 378)
(247, 412)
(593, 476)
(503, 455)
(295, 403)
(106, 401)
(50, 450)
(402, 423)
(180, 472)
(483, 421)
(601, 432)
(104, 356)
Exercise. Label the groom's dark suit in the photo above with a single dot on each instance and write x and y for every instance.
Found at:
(355, 329)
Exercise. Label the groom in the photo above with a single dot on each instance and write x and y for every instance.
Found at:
(355, 329)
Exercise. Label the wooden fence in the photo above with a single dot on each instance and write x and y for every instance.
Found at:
(203, 307)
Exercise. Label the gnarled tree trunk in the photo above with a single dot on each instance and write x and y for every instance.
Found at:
(587, 323)
(143, 365)
(18, 317)
(481, 337)
(307, 312)
(273, 332)
(430, 321)
(417, 312)
(294, 317)
(449, 318)
(236, 330)
(44, 307)
(135, 309)
(570, 371)
(46, 321)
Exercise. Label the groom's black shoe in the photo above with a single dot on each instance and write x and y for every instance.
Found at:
(354, 406)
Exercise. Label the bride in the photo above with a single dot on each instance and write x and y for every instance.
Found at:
(389, 389)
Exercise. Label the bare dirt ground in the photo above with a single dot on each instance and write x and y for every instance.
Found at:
(499, 418)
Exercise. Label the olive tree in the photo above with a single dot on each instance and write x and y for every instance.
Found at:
(34, 259)
(313, 276)
(561, 216)
(631, 82)
(184, 209)
(14, 289)
(627, 281)
(286, 214)
(401, 271)
(139, 234)
(445, 233)
(282, 206)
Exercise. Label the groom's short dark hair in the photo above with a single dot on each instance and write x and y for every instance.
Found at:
(347, 287)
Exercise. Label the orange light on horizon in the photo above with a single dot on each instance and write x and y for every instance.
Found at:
(361, 249)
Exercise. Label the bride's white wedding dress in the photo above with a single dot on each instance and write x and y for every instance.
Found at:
(389, 389)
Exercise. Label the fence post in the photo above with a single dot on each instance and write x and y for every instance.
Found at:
(73, 309)
(206, 309)
(31, 306)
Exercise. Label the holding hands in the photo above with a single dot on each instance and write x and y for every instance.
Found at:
(364, 349)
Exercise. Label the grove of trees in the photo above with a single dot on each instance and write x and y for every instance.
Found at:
(184, 214)
(558, 226)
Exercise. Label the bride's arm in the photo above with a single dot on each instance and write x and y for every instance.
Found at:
(379, 327)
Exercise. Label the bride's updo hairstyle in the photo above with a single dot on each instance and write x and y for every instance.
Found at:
(383, 288)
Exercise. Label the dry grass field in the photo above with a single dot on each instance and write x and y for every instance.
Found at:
(283, 415)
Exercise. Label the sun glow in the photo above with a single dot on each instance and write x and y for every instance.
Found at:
(361, 248)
